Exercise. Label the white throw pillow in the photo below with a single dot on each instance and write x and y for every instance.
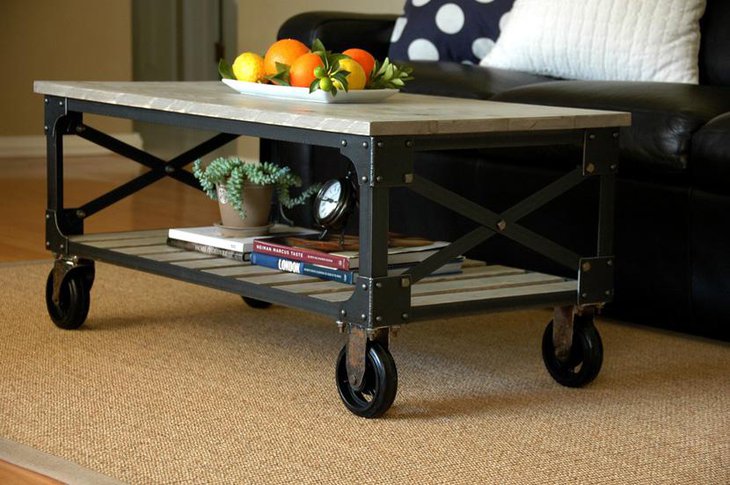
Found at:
(612, 40)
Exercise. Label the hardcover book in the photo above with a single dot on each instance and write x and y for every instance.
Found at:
(345, 256)
(343, 276)
(204, 248)
(207, 238)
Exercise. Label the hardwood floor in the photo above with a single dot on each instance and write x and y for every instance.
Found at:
(166, 203)
(13, 474)
(22, 228)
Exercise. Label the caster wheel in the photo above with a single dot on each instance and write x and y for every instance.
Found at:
(380, 383)
(254, 303)
(586, 354)
(74, 300)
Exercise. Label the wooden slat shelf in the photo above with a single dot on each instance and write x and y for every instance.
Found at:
(477, 282)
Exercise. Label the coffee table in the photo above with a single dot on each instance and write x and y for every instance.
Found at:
(380, 141)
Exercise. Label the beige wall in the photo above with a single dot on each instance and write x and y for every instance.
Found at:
(92, 40)
(63, 40)
(258, 22)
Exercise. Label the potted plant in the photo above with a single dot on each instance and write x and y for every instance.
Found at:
(244, 189)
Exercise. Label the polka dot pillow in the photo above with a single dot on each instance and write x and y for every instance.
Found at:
(448, 30)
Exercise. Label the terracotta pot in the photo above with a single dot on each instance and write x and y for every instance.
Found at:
(256, 206)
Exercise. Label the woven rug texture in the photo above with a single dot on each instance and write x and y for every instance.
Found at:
(168, 382)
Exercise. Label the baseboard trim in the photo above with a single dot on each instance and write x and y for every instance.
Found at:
(51, 466)
(35, 145)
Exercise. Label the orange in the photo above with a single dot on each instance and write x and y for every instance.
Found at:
(301, 72)
(364, 58)
(284, 51)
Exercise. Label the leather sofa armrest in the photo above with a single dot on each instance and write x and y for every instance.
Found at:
(342, 30)
(665, 116)
(457, 80)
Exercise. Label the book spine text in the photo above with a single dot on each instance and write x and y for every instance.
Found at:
(300, 267)
(301, 254)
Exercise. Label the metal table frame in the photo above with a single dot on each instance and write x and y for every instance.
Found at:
(378, 302)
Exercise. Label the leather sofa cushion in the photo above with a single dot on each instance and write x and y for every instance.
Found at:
(463, 80)
(339, 31)
(664, 115)
(711, 155)
(715, 39)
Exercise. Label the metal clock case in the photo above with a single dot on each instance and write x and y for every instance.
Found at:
(334, 203)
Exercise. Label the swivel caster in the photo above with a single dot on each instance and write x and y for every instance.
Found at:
(586, 354)
(74, 298)
(254, 303)
(379, 387)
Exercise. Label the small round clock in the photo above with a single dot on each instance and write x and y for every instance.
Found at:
(334, 203)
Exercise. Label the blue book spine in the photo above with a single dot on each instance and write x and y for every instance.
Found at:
(299, 267)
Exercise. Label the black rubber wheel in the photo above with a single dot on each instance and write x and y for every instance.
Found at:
(254, 303)
(74, 300)
(380, 383)
(586, 354)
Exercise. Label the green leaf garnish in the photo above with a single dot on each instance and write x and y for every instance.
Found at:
(225, 70)
(388, 75)
(281, 78)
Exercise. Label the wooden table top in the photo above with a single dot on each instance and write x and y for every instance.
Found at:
(401, 114)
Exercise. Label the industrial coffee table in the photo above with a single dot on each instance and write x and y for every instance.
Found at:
(380, 140)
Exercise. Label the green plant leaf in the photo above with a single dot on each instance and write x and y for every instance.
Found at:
(281, 77)
(389, 75)
(225, 70)
(318, 46)
(341, 76)
(233, 173)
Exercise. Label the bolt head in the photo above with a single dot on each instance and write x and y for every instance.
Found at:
(365, 144)
(381, 144)
(363, 316)
(343, 143)
(379, 178)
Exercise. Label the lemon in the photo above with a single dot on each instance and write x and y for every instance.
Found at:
(249, 66)
(356, 79)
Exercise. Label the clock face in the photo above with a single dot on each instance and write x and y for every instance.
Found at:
(334, 203)
(330, 199)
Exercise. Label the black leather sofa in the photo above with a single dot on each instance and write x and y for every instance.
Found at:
(672, 241)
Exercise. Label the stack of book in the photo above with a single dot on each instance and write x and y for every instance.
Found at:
(210, 240)
(331, 259)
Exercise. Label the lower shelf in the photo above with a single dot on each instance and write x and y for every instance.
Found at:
(479, 287)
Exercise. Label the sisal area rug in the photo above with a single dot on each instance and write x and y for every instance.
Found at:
(168, 382)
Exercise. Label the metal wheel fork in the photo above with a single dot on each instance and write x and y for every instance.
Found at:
(357, 348)
(563, 331)
(563, 326)
(63, 265)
